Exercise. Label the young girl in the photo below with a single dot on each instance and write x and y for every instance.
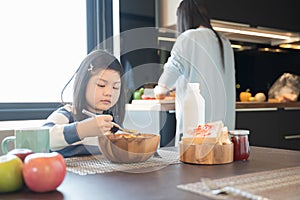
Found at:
(98, 89)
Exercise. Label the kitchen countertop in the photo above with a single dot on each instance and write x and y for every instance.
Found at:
(242, 105)
(151, 105)
(160, 184)
(170, 105)
(157, 105)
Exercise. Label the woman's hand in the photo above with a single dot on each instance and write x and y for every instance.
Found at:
(160, 92)
(94, 126)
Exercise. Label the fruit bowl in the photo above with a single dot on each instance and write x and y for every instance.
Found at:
(128, 148)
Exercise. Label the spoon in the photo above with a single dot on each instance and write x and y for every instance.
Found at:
(88, 113)
(125, 129)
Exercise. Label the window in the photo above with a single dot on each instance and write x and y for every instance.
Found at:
(42, 43)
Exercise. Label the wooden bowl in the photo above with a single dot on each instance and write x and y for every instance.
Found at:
(128, 148)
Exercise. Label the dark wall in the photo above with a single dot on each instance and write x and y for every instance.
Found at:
(281, 14)
(258, 70)
(138, 14)
(255, 69)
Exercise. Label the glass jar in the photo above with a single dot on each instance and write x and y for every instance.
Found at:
(240, 142)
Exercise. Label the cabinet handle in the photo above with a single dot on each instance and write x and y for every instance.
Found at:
(291, 137)
(291, 108)
(255, 109)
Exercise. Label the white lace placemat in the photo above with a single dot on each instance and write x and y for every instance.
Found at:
(267, 185)
(99, 164)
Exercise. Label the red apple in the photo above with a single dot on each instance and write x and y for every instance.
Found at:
(10, 173)
(21, 153)
(44, 172)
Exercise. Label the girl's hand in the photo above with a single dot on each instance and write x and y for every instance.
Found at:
(94, 126)
(104, 123)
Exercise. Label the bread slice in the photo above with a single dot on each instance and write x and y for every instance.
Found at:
(209, 133)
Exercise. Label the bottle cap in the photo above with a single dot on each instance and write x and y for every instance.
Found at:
(194, 86)
(239, 132)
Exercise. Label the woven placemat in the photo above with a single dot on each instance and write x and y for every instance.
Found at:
(272, 184)
(99, 164)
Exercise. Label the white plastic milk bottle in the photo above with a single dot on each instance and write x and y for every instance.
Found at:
(193, 109)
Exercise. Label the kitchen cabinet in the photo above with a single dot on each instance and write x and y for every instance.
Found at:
(270, 125)
(289, 128)
(262, 123)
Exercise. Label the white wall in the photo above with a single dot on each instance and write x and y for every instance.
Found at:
(168, 12)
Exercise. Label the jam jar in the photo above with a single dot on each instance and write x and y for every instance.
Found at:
(240, 142)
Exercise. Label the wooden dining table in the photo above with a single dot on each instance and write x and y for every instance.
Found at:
(161, 183)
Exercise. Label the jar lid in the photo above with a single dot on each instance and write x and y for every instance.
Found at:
(239, 132)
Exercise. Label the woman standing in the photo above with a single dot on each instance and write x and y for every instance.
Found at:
(200, 55)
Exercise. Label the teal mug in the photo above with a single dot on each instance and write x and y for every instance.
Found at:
(35, 139)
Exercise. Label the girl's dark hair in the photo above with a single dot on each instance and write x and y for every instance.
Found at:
(193, 13)
(97, 59)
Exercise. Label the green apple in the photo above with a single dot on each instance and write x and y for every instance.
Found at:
(11, 173)
(137, 95)
(141, 90)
